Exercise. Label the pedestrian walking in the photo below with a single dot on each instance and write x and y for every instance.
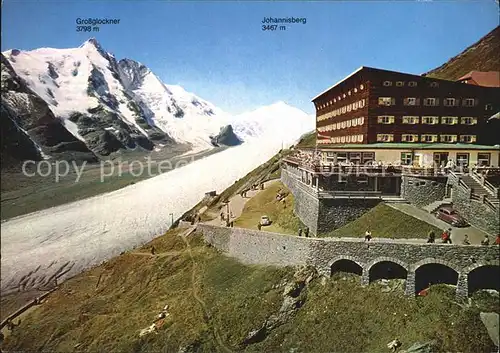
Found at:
(259, 226)
(446, 236)
(466, 240)
(152, 250)
(368, 235)
(432, 237)
(300, 232)
(306, 232)
(485, 241)
(497, 240)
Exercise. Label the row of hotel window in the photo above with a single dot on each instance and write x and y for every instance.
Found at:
(433, 102)
(390, 119)
(361, 87)
(428, 120)
(339, 98)
(342, 110)
(409, 101)
(428, 138)
(404, 138)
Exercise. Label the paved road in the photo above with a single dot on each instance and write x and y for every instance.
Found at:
(457, 234)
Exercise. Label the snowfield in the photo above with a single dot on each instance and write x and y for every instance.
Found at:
(75, 236)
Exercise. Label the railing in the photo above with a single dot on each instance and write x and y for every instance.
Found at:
(481, 179)
(494, 206)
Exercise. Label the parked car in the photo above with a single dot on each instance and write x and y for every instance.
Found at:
(265, 221)
(449, 215)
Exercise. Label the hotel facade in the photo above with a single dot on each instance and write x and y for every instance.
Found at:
(389, 135)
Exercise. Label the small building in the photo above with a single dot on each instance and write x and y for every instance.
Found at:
(481, 78)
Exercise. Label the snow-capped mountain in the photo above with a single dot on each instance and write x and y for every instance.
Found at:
(111, 105)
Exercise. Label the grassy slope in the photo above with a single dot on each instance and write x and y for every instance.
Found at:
(308, 140)
(265, 203)
(481, 56)
(382, 220)
(386, 222)
(338, 316)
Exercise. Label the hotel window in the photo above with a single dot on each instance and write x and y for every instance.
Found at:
(360, 138)
(434, 84)
(343, 125)
(462, 159)
(342, 139)
(449, 120)
(466, 120)
(488, 107)
(349, 122)
(355, 90)
(355, 105)
(387, 83)
(430, 102)
(411, 101)
(338, 98)
(409, 138)
(428, 138)
(386, 101)
(385, 119)
(406, 158)
(468, 138)
(400, 84)
(349, 108)
(410, 119)
(361, 120)
(449, 102)
(349, 93)
(385, 137)
(348, 139)
(483, 159)
(430, 120)
(354, 122)
(343, 109)
(468, 102)
(448, 138)
(361, 87)
(338, 126)
(343, 96)
(412, 84)
(362, 103)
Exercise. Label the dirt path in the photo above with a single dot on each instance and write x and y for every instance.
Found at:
(237, 203)
(206, 314)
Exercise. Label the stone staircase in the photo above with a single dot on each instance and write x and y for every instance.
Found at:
(431, 208)
(475, 186)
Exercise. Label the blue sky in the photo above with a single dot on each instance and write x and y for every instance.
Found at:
(218, 50)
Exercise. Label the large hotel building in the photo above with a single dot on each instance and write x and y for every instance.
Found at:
(396, 137)
(407, 114)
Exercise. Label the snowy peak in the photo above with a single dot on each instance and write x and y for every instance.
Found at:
(132, 73)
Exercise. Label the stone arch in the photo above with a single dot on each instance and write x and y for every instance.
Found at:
(482, 275)
(434, 271)
(383, 268)
(346, 263)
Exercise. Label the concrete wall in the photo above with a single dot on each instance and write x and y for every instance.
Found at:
(265, 248)
(475, 212)
(335, 213)
(422, 191)
(306, 203)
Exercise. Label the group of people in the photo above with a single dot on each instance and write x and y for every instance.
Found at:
(306, 232)
(446, 238)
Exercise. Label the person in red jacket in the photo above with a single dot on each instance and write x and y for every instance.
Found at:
(497, 240)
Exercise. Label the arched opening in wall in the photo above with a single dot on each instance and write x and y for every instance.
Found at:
(434, 273)
(346, 266)
(484, 277)
(387, 270)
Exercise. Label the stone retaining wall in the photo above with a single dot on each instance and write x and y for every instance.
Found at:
(266, 248)
(475, 212)
(422, 191)
(336, 213)
(306, 203)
